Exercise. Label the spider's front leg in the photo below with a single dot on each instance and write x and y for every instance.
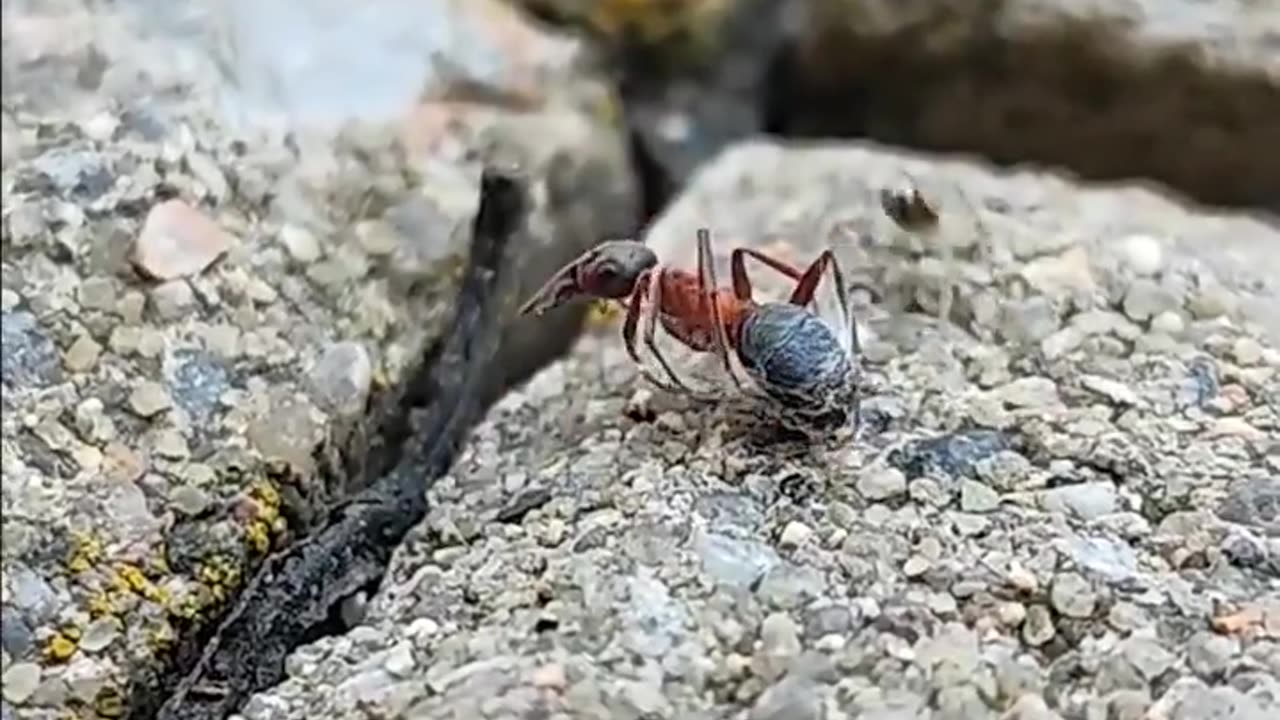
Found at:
(649, 287)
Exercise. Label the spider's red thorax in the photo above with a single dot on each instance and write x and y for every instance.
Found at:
(686, 315)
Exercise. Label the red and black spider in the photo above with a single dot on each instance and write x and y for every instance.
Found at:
(808, 367)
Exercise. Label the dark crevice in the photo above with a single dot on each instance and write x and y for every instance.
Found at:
(1081, 96)
(1076, 95)
(295, 595)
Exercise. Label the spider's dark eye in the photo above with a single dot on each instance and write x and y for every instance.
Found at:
(611, 280)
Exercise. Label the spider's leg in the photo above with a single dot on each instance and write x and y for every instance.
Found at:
(632, 319)
(738, 266)
(808, 285)
(708, 289)
(849, 339)
(651, 329)
(850, 323)
(632, 323)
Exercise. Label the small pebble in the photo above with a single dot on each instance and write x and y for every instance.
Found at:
(300, 242)
(916, 566)
(1115, 391)
(1022, 578)
(1143, 254)
(977, 497)
(550, 676)
(1038, 628)
(173, 300)
(400, 661)
(795, 534)
(1072, 595)
(882, 484)
(82, 355)
(1247, 351)
(1168, 322)
(169, 443)
(189, 500)
(97, 293)
(99, 634)
(20, 682)
(177, 240)
(149, 398)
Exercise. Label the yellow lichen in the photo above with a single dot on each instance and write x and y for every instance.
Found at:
(59, 648)
(259, 536)
(109, 703)
(160, 637)
(133, 577)
(603, 314)
(267, 517)
(101, 603)
(158, 595)
(267, 495)
(158, 564)
(86, 554)
(186, 607)
(130, 578)
(219, 575)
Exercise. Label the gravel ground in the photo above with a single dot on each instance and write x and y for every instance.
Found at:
(1062, 504)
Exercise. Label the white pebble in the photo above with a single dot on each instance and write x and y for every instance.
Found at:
(1143, 254)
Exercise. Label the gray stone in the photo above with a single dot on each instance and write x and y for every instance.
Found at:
(97, 293)
(741, 563)
(1038, 628)
(29, 358)
(1087, 501)
(149, 398)
(30, 592)
(779, 645)
(1219, 703)
(977, 497)
(1072, 595)
(20, 682)
(99, 634)
(189, 500)
(1147, 656)
(341, 380)
(1210, 654)
(1114, 561)
(882, 484)
(792, 698)
(1029, 392)
(1146, 299)
(198, 381)
(83, 354)
(173, 300)
(15, 634)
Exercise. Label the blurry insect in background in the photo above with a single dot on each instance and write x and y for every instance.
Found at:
(921, 218)
(805, 369)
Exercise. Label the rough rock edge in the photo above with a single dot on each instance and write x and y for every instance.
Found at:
(294, 591)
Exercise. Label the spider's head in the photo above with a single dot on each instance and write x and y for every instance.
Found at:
(607, 271)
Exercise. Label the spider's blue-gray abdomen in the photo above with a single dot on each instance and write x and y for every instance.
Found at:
(797, 359)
